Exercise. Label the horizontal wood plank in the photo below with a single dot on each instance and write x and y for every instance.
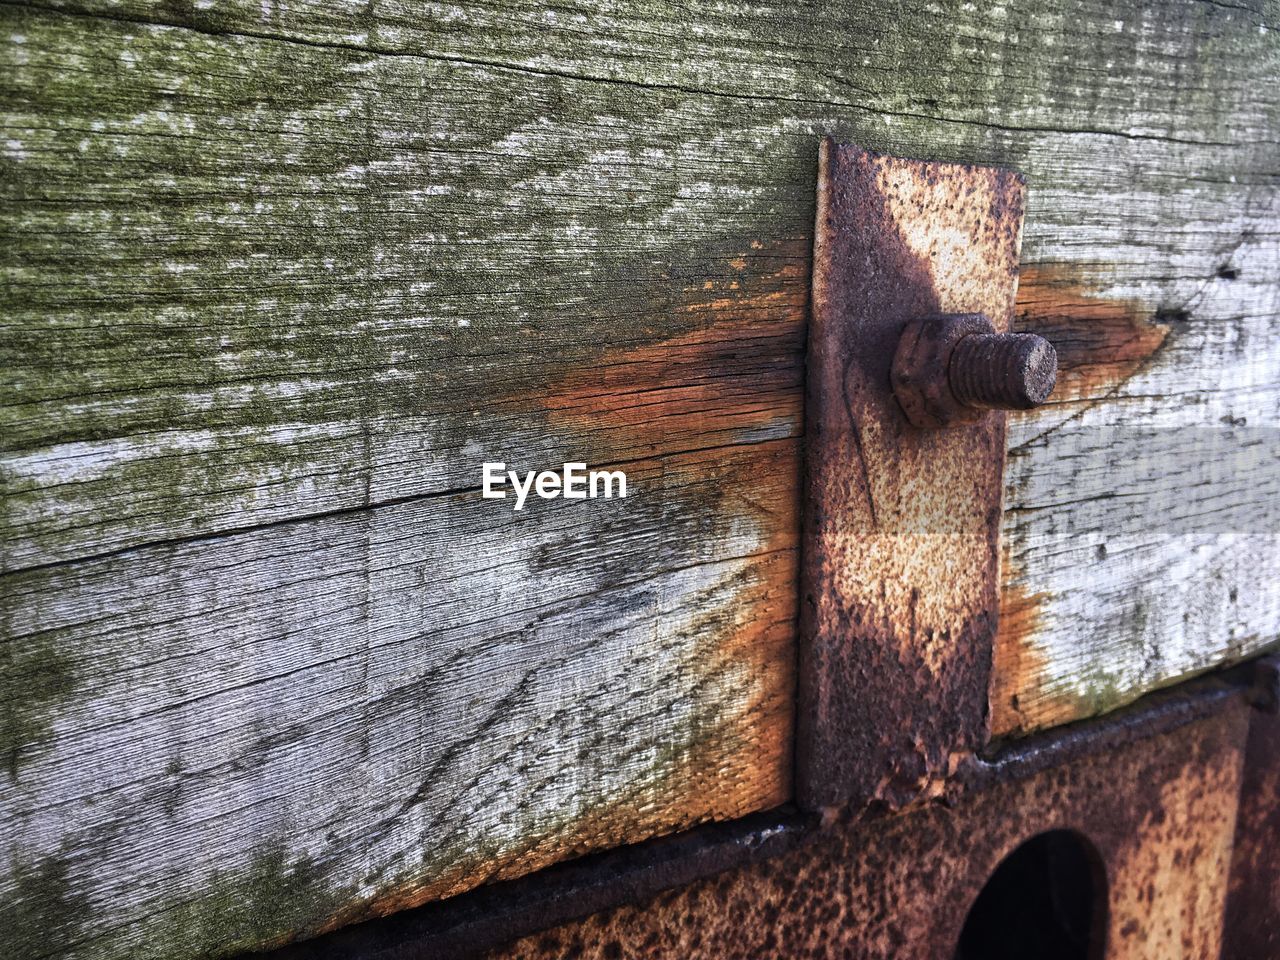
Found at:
(355, 714)
(1142, 530)
(290, 290)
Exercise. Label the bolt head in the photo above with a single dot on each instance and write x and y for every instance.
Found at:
(920, 368)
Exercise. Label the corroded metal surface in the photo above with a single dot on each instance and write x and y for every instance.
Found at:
(1104, 757)
(1252, 929)
(921, 368)
(1157, 813)
(901, 561)
(1003, 371)
(464, 927)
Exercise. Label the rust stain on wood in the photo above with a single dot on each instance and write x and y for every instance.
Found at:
(698, 784)
(1019, 664)
(737, 759)
(1016, 656)
(733, 370)
(1100, 342)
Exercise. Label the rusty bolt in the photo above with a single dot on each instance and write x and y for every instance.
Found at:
(956, 366)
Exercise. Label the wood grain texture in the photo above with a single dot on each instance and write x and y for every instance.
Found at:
(1141, 536)
(280, 277)
(356, 714)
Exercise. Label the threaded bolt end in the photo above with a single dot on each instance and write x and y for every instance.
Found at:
(1003, 371)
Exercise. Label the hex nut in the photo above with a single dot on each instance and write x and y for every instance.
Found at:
(920, 368)
(955, 367)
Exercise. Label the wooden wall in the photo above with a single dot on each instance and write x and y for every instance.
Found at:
(280, 277)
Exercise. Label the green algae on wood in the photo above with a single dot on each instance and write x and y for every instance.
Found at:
(41, 909)
(265, 254)
(34, 677)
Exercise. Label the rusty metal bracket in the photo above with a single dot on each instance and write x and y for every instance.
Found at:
(1251, 927)
(901, 544)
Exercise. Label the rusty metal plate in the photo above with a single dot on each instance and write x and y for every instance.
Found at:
(1152, 815)
(901, 552)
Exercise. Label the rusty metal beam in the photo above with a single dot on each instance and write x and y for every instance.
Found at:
(1153, 819)
(710, 857)
(1252, 929)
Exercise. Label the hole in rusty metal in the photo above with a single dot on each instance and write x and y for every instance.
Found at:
(1047, 900)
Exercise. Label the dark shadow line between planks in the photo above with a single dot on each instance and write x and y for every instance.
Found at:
(359, 508)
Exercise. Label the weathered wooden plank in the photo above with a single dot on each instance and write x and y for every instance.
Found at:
(258, 227)
(1142, 538)
(311, 317)
(255, 723)
(1093, 66)
(253, 280)
(379, 718)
